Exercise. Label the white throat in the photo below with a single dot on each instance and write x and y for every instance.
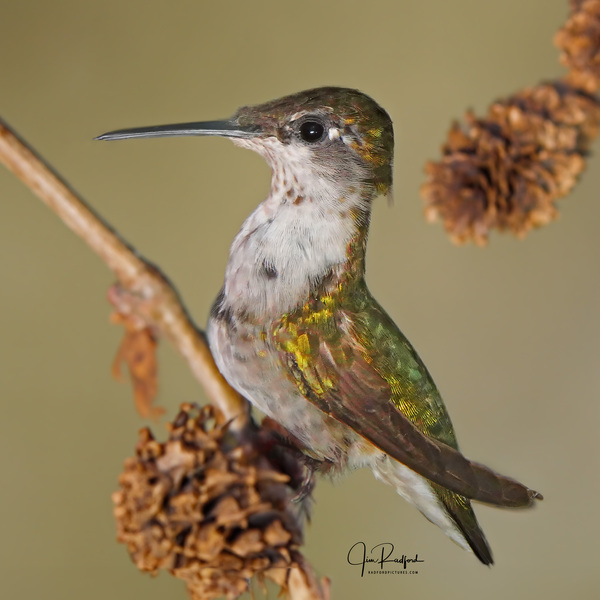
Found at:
(293, 239)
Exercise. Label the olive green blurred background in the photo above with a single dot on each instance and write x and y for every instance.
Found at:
(511, 333)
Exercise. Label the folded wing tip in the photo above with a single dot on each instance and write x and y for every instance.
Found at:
(522, 497)
(533, 495)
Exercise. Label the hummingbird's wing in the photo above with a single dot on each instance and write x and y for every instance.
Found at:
(356, 366)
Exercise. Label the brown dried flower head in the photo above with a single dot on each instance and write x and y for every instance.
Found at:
(507, 170)
(209, 511)
(579, 43)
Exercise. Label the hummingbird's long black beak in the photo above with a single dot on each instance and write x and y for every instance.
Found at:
(227, 128)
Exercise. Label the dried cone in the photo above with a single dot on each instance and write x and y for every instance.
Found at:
(579, 43)
(205, 510)
(506, 171)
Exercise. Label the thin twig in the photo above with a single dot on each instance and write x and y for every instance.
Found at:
(144, 293)
(143, 290)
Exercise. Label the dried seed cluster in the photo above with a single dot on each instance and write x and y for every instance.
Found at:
(579, 43)
(204, 510)
(506, 171)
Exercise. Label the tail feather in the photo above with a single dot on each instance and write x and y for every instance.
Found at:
(460, 510)
(451, 512)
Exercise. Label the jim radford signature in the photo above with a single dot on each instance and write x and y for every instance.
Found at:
(381, 554)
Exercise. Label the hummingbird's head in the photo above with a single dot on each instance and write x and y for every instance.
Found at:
(339, 132)
(335, 133)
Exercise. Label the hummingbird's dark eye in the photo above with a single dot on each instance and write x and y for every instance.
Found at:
(311, 131)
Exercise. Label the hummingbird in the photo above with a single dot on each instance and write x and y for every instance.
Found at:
(296, 330)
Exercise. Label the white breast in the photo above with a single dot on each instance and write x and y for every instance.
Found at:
(298, 234)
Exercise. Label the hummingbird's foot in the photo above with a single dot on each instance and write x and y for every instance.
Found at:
(303, 474)
(307, 485)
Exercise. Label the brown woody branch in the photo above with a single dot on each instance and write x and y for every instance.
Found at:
(143, 291)
(145, 297)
